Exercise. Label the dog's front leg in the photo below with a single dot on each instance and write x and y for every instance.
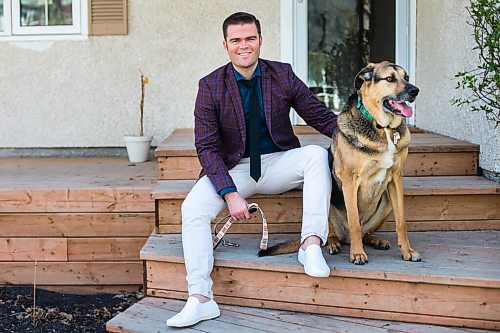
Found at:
(395, 189)
(350, 188)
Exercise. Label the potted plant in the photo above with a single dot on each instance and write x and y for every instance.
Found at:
(138, 145)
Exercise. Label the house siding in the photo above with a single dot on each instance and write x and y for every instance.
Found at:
(87, 93)
(444, 47)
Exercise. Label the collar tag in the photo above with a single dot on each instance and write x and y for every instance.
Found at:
(396, 138)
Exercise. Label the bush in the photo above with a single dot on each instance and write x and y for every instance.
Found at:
(483, 82)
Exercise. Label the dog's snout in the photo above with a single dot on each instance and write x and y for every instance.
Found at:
(412, 90)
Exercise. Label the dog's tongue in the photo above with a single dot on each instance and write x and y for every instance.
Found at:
(404, 109)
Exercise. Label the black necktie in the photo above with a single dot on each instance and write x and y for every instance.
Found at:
(254, 130)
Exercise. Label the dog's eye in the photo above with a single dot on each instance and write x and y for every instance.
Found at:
(389, 79)
(407, 78)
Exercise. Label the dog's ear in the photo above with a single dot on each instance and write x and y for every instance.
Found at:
(364, 75)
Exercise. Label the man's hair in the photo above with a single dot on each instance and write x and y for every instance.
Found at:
(239, 18)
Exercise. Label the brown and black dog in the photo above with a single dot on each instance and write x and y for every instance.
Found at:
(369, 149)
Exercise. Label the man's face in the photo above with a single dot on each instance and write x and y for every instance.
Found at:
(243, 46)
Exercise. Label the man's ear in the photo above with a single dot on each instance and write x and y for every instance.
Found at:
(365, 74)
(224, 44)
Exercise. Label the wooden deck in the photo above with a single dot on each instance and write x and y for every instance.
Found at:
(437, 203)
(83, 219)
(429, 154)
(150, 314)
(457, 283)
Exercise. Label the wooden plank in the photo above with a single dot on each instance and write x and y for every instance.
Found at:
(104, 249)
(179, 167)
(295, 227)
(417, 164)
(150, 314)
(338, 311)
(354, 293)
(77, 224)
(445, 185)
(445, 225)
(441, 164)
(45, 200)
(384, 265)
(72, 273)
(277, 209)
(41, 249)
(429, 154)
(432, 208)
(181, 143)
(76, 172)
(244, 228)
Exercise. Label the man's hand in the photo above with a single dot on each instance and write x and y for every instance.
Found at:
(237, 206)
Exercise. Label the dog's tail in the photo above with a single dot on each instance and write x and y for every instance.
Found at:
(281, 248)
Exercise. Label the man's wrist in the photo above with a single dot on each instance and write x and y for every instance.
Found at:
(225, 191)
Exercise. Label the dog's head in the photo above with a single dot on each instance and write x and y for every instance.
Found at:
(385, 90)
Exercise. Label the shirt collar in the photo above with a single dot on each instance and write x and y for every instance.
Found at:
(240, 77)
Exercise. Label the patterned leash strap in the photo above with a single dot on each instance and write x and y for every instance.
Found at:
(252, 208)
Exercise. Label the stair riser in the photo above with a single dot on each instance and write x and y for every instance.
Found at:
(417, 164)
(423, 213)
(469, 306)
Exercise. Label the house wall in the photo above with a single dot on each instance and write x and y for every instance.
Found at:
(87, 93)
(444, 47)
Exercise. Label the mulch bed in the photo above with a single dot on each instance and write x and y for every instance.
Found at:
(57, 312)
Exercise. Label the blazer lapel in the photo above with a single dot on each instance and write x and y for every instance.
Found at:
(234, 92)
(266, 92)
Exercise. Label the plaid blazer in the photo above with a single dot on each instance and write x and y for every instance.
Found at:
(220, 132)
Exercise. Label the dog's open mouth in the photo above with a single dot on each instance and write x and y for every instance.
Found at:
(398, 108)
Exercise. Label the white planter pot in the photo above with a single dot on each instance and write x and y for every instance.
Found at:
(138, 147)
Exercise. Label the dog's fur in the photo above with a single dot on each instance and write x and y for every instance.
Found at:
(367, 165)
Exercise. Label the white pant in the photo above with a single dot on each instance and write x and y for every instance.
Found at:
(305, 167)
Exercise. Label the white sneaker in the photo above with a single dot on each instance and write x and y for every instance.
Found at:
(313, 261)
(194, 312)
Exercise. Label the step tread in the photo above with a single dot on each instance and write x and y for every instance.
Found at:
(151, 313)
(436, 185)
(181, 143)
(456, 258)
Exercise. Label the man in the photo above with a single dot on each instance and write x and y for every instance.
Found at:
(245, 144)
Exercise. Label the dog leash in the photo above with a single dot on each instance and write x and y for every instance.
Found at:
(252, 208)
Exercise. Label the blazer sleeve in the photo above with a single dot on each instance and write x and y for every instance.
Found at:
(314, 113)
(208, 140)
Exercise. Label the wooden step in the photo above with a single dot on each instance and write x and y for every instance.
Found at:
(83, 220)
(150, 314)
(431, 203)
(429, 154)
(457, 283)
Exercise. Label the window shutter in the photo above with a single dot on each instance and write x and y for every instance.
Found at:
(107, 17)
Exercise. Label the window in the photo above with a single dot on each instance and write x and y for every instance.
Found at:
(41, 18)
(328, 41)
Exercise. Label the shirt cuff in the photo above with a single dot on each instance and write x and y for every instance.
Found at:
(226, 190)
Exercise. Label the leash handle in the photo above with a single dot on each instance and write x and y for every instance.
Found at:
(252, 208)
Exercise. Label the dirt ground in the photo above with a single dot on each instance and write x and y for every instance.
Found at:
(56, 312)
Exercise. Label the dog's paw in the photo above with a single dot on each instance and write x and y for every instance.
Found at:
(358, 258)
(382, 244)
(411, 255)
(334, 248)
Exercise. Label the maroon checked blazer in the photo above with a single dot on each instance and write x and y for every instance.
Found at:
(220, 132)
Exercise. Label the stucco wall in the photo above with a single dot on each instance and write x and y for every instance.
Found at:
(87, 93)
(444, 47)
